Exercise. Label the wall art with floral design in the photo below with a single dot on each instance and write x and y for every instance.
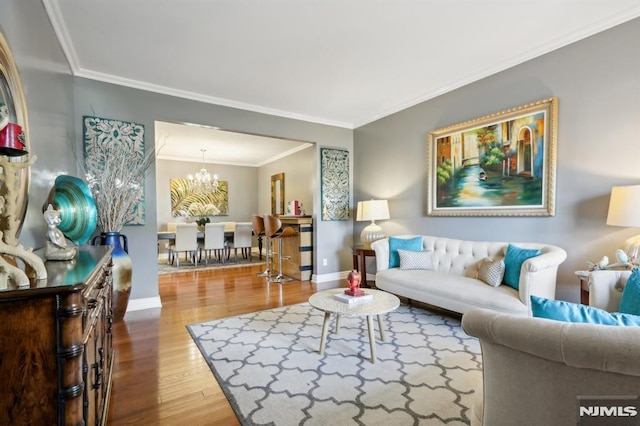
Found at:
(334, 170)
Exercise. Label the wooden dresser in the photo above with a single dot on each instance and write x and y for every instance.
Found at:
(56, 355)
(298, 250)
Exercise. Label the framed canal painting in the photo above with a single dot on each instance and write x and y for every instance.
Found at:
(503, 164)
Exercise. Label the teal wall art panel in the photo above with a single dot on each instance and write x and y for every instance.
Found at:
(334, 169)
(115, 162)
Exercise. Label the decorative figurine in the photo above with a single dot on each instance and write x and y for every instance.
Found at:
(604, 262)
(56, 244)
(622, 256)
(624, 262)
(353, 279)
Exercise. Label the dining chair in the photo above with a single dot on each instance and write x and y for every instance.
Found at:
(214, 242)
(243, 239)
(274, 230)
(186, 242)
(229, 229)
(229, 226)
(171, 227)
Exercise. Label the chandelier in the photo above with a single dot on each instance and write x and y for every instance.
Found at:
(202, 181)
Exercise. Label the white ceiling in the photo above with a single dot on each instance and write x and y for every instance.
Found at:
(338, 62)
(185, 143)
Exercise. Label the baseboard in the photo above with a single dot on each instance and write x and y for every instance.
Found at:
(335, 276)
(145, 303)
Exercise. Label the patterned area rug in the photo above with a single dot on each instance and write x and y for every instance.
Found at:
(164, 268)
(268, 365)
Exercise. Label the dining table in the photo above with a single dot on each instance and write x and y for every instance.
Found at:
(171, 236)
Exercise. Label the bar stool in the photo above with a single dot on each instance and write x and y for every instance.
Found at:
(274, 230)
(258, 229)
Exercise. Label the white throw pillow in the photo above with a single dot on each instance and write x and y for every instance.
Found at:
(491, 271)
(416, 260)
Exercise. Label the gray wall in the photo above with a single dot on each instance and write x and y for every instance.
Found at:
(299, 171)
(242, 185)
(598, 86)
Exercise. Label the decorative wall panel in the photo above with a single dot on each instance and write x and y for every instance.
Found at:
(334, 171)
(188, 203)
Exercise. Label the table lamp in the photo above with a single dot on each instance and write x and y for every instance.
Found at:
(624, 210)
(372, 210)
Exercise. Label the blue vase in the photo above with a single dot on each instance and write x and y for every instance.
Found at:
(121, 270)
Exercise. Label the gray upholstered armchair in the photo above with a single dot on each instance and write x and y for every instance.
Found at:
(534, 369)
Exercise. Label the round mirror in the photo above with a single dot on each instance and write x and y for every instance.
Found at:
(14, 148)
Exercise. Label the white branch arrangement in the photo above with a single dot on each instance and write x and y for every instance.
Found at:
(116, 179)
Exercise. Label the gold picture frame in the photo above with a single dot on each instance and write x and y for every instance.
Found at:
(503, 164)
(277, 194)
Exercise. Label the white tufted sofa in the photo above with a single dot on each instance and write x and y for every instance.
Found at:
(453, 284)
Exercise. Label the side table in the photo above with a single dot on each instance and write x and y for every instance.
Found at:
(360, 254)
(583, 276)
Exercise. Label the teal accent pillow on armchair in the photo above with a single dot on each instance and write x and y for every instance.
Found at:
(630, 301)
(560, 310)
(513, 260)
(411, 244)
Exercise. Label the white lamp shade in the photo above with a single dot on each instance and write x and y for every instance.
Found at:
(372, 210)
(624, 206)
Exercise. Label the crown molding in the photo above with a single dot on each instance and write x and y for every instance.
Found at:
(57, 21)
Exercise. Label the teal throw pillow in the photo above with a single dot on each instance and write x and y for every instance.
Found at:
(572, 312)
(513, 260)
(411, 244)
(630, 301)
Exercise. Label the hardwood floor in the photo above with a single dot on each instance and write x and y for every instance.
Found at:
(160, 377)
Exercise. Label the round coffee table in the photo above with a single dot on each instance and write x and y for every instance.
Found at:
(381, 303)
